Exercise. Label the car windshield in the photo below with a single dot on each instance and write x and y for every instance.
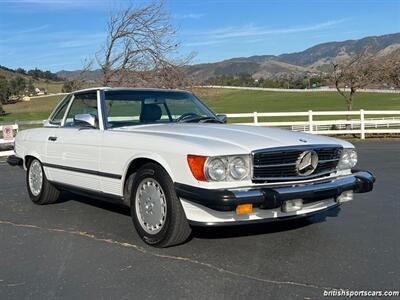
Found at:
(130, 107)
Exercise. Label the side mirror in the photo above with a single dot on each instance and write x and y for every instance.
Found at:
(85, 120)
(223, 118)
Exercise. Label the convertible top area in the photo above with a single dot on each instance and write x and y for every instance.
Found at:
(105, 88)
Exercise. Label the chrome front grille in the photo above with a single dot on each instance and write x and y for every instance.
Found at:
(279, 164)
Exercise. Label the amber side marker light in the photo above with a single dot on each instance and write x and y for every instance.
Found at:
(244, 209)
(196, 165)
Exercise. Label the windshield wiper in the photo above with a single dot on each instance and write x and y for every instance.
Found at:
(200, 119)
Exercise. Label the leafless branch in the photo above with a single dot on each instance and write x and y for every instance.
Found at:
(352, 75)
(139, 48)
(390, 71)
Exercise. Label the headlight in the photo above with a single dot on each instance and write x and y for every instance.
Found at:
(220, 168)
(216, 169)
(238, 168)
(227, 168)
(348, 159)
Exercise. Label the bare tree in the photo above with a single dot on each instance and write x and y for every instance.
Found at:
(352, 75)
(140, 44)
(391, 71)
(80, 80)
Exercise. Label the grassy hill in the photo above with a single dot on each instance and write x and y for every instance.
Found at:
(233, 101)
(6, 73)
(51, 86)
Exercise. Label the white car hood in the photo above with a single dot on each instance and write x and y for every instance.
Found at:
(247, 137)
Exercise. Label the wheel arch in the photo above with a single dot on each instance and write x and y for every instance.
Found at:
(34, 155)
(135, 163)
(29, 157)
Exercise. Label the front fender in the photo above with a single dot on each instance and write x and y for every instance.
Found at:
(152, 156)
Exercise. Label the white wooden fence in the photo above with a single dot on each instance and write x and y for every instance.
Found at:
(7, 135)
(359, 124)
(362, 122)
(314, 90)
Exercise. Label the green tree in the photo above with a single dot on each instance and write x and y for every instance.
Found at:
(13, 86)
(31, 88)
(17, 85)
(20, 71)
(4, 90)
(35, 74)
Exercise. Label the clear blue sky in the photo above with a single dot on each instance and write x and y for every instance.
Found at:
(60, 34)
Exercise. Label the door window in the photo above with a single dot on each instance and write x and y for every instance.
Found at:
(83, 104)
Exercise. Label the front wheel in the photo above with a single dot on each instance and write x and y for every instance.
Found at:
(40, 190)
(156, 211)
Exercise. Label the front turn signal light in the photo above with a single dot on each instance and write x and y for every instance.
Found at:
(244, 209)
(196, 165)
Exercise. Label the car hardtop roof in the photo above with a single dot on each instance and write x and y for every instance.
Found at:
(128, 89)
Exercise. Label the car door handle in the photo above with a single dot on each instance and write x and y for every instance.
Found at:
(52, 138)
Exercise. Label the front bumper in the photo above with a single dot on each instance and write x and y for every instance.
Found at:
(225, 200)
(14, 160)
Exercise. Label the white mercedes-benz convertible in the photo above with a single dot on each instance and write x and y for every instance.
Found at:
(177, 164)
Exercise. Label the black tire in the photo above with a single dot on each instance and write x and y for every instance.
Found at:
(48, 193)
(175, 229)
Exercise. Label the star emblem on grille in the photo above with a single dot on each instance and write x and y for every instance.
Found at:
(307, 163)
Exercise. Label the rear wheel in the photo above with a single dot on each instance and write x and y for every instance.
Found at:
(156, 211)
(40, 190)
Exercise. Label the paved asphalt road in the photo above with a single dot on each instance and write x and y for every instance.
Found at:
(82, 248)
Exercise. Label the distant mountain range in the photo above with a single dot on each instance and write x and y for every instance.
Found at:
(88, 75)
(314, 60)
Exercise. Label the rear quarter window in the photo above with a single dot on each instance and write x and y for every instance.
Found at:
(58, 115)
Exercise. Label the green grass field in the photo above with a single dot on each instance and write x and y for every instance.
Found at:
(36, 109)
(241, 101)
(51, 87)
(235, 101)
